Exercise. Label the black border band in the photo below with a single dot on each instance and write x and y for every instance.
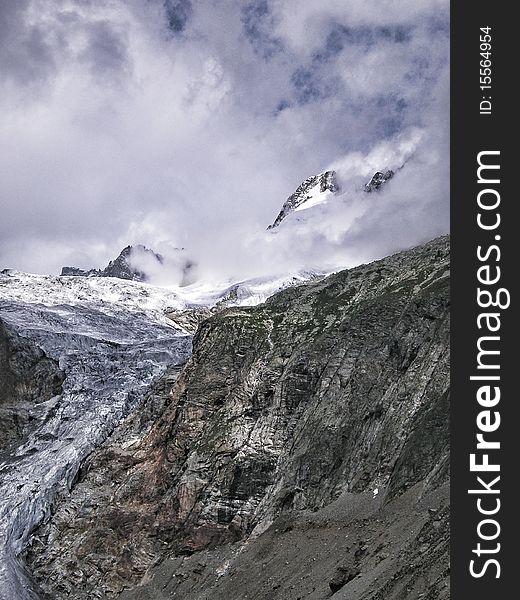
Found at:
(482, 123)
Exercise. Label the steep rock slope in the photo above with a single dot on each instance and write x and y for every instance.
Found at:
(27, 377)
(302, 452)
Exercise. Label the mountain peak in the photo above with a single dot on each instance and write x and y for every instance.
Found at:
(314, 190)
(378, 179)
(123, 268)
(120, 267)
(319, 188)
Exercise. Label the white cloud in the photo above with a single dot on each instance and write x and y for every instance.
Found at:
(120, 131)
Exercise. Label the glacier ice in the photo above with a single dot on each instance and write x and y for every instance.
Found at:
(112, 340)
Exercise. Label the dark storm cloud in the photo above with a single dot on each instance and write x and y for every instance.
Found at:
(309, 86)
(258, 20)
(341, 37)
(26, 54)
(178, 14)
(105, 51)
(188, 124)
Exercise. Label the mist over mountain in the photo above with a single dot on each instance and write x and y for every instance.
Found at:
(224, 410)
(139, 263)
(173, 127)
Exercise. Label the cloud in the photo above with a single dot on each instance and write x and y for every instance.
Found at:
(26, 55)
(181, 124)
(171, 266)
(259, 21)
(178, 13)
(105, 50)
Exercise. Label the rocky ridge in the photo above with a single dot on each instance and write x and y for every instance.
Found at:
(378, 179)
(311, 188)
(302, 452)
(120, 267)
(319, 188)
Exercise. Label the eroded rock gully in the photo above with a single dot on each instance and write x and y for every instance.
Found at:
(301, 453)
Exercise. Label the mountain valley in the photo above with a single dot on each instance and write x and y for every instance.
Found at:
(280, 437)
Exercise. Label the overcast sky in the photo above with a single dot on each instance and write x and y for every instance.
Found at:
(185, 123)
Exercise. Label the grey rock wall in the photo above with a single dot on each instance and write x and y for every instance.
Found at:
(27, 377)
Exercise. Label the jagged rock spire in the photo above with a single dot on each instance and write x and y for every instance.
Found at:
(378, 179)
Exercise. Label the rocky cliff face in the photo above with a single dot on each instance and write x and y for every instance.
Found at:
(302, 452)
(27, 377)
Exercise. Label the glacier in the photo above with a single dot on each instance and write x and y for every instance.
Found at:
(112, 340)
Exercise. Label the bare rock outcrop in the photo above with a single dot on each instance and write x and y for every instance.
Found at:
(27, 377)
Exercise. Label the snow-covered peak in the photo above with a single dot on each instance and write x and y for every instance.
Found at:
(314, 190)
(249, 292)
(319, 189)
